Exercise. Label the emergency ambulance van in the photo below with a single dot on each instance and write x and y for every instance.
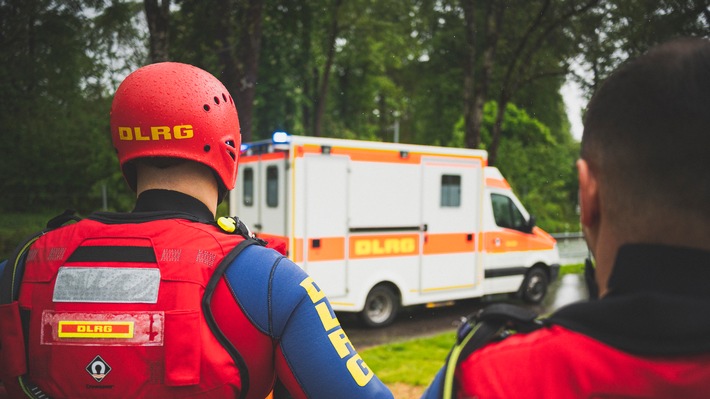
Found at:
(385, 225)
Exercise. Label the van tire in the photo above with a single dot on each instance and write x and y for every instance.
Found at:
(534, 287)
(381, 306)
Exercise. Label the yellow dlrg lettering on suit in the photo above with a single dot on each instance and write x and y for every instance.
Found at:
(155, 133)
(357, 368)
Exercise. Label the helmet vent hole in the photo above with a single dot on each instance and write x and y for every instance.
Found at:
(206, 107)
(224, 97)
(231, 154)
(230, 100)
(216, 100)
(230, 143)
(207, 147)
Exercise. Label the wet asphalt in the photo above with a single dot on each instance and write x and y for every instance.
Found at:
(422, 322)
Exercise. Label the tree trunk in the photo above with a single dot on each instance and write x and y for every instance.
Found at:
(517, 70)
(240, 63)
(249, 51)
(157, 13)
(497, 128)
(309, 75)
(471, 137)
(494, 18)
(323, 89)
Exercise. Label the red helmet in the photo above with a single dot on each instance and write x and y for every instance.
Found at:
(179, 111)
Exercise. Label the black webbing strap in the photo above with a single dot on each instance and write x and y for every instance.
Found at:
(212, 323)
(492, 323)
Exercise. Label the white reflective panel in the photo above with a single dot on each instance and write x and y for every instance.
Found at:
(107, 285)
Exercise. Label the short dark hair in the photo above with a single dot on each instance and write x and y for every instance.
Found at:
(647, 131)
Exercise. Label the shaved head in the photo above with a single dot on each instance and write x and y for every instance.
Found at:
(647, 138)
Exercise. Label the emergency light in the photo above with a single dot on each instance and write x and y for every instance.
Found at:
(280, 137)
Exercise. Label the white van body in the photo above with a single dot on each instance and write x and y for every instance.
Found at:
(383, 225)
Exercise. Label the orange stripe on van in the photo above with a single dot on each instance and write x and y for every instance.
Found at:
(273, 155)
(449, 243)
(508, 240)
(297, 250)
(386, 245)
(262, 157)
(497, 183)
(376, 155)
(248, 159)
(362, 154)
(327, 248)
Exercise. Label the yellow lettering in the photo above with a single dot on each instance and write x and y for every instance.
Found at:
(157, 131)
(183, 131)
(312, 289)
(408, 245)
(341, 343)
(377, 248)
(80, 328)
(385, 246)
(359, 370)
(326, 316)
(392, 246)
(363, 247)
(108, 329)
(125, 133)
(137, 131)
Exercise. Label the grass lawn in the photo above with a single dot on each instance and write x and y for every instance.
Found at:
(413, 362)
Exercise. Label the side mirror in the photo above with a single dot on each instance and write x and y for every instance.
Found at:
(530, 224)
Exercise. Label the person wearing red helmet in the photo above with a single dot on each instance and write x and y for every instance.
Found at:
(163, 301)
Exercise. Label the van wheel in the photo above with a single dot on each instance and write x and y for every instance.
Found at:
(381, 307)
(534, 286)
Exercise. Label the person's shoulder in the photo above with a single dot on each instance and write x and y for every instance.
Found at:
(523, 361)
(546, 342)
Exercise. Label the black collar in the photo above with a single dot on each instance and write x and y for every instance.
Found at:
(657, 304)
(661, 269)
(160, 204)
(166, 200)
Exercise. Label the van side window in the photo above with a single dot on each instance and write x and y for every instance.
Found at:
(450, 191)
(506, 213)
(248, 187)
(272, 186)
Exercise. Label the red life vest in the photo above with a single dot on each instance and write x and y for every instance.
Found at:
(115, 312)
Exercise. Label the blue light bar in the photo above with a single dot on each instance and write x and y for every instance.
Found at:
(280, 137)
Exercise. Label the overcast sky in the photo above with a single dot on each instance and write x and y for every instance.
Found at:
(574, 102)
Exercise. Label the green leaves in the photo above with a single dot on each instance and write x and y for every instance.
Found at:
(538, 167)
(395, 64)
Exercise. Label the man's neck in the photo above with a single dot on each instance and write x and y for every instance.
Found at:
(188, 178)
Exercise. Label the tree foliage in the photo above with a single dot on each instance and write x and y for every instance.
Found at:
(365, 69)
(538, 166)
(52, 108)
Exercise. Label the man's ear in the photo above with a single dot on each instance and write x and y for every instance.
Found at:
(588, 194)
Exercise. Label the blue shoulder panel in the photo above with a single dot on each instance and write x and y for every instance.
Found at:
(249, 278)
(284, 302)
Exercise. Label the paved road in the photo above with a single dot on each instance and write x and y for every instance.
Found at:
(420, 322)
